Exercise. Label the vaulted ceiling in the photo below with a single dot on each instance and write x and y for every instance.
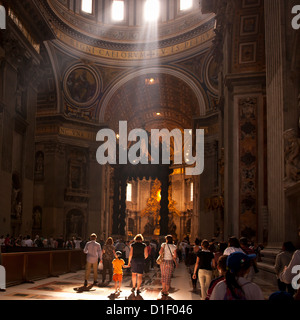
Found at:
(166, 103)
(169, 102)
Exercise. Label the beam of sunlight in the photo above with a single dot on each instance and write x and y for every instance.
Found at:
(151, 10)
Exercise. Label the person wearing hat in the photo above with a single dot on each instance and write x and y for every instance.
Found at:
(93, 252)
(118, 264)
(235, 286)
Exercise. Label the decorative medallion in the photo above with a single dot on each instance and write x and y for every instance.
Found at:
(81, 86)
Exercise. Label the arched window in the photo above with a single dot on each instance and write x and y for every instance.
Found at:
(129, 192)
(186, 4)
(118, 10)
(151, 10)
(87, 6)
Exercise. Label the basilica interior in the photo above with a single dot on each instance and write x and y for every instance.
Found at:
(70, 68)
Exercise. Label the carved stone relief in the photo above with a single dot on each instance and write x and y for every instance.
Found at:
(292, 155)
(248, 164)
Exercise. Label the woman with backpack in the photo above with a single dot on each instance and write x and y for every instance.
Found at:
(235, 286)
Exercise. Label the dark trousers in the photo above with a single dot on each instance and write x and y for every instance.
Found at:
(194, 281)
(285, 287)
(107, 266)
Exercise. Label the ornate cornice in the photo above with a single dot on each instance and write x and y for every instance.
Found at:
(33, 20)
(246, 79)
(124, 32)
(123, 43)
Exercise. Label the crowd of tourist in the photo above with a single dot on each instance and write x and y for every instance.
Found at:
(9, 243)
(225, 271)
(221, 270)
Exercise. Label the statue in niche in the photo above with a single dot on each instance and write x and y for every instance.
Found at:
(77, 170)
(39, 164)
(75, 177)
(37, 218)
(75, 223)
(16, 198)
(292, 155)
(20, 105)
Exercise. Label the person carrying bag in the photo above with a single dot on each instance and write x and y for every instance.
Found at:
(168, 264)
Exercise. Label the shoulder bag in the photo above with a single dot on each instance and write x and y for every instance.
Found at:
(174, 263)
(160, 258)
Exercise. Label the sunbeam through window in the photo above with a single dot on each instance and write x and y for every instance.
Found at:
(151, 10)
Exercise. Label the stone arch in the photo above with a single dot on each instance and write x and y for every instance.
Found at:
(158, 70)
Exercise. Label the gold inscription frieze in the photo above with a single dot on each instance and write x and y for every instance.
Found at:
(135, 55)
(82, 134)
(67, 132)
(44, 130)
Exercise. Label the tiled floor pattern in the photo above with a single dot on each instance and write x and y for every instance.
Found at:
(70, 287)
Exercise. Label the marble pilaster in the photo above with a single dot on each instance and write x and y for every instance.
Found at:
(275, 66)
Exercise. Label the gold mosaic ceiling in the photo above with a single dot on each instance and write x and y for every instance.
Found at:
(166, 103)
(169, 103)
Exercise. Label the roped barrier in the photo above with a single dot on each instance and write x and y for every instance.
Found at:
(23, 267)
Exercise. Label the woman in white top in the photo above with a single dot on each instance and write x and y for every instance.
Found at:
(168, 249)
(233, 246)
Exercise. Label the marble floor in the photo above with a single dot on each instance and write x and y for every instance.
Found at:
(70, 287)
